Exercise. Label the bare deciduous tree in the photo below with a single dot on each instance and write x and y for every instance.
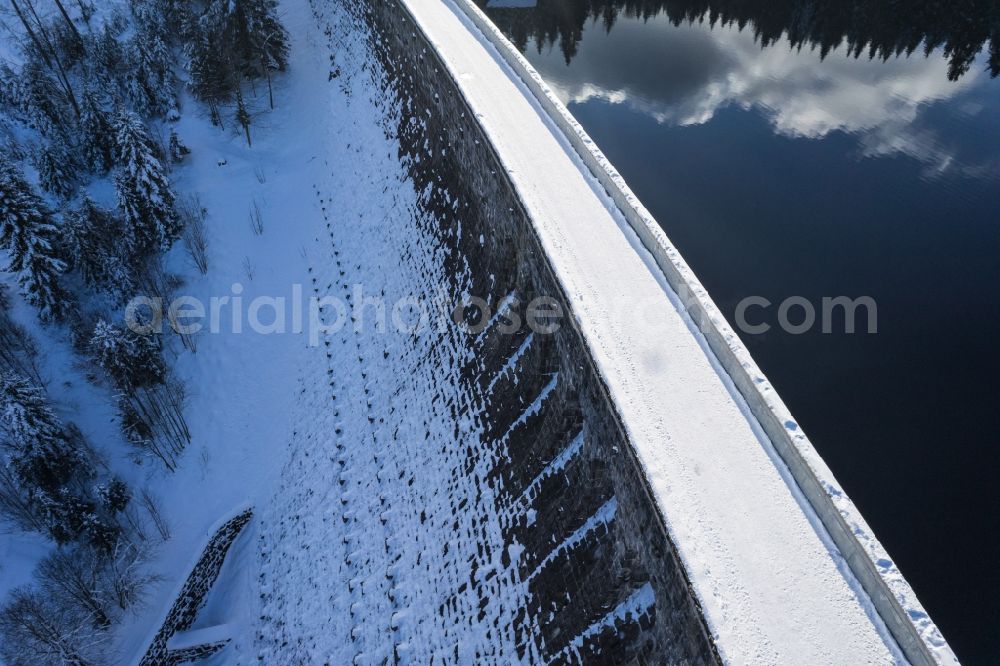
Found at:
(149, 504)
(192, 214)
(17, 349)
(256, 219)
(126, 580)
(38, 629)
(74, 574)
(15, 509)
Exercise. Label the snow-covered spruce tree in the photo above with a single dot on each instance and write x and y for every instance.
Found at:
(57, 172)
(258, 36)
(210, 64)
(39, 450)
(41, 458)
(114, 495)
(39, 101)
(28, 235)
(144, 192)
(262, 40)
(232, 41)
(97, 134)
(93, 240)
(106, 62)
(73, 516)
(151, 84)
(159, 17)
(52, 467)
(132, 361)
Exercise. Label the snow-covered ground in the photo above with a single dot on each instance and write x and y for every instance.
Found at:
(249, 389)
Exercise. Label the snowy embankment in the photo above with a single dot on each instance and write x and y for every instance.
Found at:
(247, 388)
(346, 449)
(774, 586)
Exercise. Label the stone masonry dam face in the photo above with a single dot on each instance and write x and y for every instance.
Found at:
(602, 580)
(603, 583)
(490, 507)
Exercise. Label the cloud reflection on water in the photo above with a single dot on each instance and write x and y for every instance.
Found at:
(684, 75)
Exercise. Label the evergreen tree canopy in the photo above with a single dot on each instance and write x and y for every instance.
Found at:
(26, 415)
(107, 61)
(97, 136)
(28, 235)
(115, 495)
(132, 360)
(40, 101)
(57, 170)
(150, 86)
(262, 40)
(211, 79)
(17, 348)
(40, 455)
(93, 241)
(50, 468)
(144, 192)
(235, 40)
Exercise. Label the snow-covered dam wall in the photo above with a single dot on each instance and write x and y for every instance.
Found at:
(601, 580)
(488, 493)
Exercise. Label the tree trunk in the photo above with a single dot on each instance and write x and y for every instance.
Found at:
(59, 71)
(69, 21)
(270, 91)
(85, 12)
(31, 34)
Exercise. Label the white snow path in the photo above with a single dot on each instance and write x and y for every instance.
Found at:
(772, 587)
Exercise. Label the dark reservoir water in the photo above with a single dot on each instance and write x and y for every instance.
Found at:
(792, 148)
